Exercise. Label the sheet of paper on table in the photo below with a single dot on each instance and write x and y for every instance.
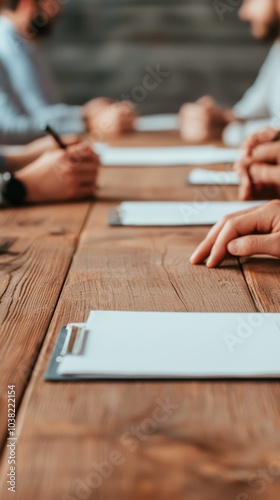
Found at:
(146, 345)
(201, 176)
(164, 156)
(175, 213)
(157, 123)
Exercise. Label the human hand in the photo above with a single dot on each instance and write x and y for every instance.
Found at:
(249, 232)
(203, 120)
(24, 155)
(259, 138)
(259, 172)
(61, 175)
(111, 119)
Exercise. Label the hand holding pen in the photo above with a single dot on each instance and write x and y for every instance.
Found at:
(49, 130)
(80, 165)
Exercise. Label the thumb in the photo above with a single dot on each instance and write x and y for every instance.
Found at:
(265, 174)
(255, 244)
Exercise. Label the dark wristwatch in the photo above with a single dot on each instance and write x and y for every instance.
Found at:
(13, 191)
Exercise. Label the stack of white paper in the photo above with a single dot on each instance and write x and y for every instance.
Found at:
(157, 123)
(201, 176)
(165, 156)
(177, 213)
(143, 345)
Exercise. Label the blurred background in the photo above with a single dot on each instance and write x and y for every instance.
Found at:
(103, 47)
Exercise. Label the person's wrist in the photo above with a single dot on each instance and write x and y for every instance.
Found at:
(30, 186)
(13, 190)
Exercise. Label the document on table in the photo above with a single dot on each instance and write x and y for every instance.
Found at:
(175, 213)
(155, 345)
(164, 156)
(201, 176)
(157, 123)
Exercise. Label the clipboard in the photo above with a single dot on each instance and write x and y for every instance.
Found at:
(204, 177)
(121, 345)
(174, 214)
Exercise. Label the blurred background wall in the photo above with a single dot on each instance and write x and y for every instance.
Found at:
(103, 47)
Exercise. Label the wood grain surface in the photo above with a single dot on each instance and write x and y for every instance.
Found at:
(36, 248)
(147, 440)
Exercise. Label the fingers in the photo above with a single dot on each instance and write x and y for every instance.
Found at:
(232, 229)
(256, 245)
(207, 101)
(261, 137)
(84, 174)
(242, 170)
(117, 118)
(204, 249)
(266, 153)
(215, 245)
(265, 174)
(82, 192)
(80, 153)
(71, 139)
(255, 171)
(245, 188)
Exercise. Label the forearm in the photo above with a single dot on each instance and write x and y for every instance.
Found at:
(20, 129)
(15, 160)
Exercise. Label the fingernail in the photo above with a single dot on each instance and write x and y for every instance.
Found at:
(192, 258)
(209, 262)
(233, 247)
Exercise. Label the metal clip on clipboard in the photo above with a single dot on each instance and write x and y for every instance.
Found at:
(115, 217)
(71, 341)
(74, 340)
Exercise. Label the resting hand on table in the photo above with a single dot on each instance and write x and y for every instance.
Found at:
(61, 175)
(261, 137)
(250, 232)
(110, 118)
(202, 121)
(259, 169)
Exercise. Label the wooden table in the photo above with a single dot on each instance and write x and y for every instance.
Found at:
(188, 440)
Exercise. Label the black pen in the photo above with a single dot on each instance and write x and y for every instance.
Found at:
(49, 130)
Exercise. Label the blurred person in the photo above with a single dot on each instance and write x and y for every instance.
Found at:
(28, 94)
(250, 232)
(205, 120)
(56, 175)
(259, 167)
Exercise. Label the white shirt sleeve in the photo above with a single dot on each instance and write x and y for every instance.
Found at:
(254, 104)
(235, 134)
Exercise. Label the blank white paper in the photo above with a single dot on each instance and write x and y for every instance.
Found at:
(178, 213)
(157, 123)
(165, 156)
(201, 176)
(178, 345)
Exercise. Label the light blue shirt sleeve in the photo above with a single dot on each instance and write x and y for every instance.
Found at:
(28, 95)
(262, 98)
